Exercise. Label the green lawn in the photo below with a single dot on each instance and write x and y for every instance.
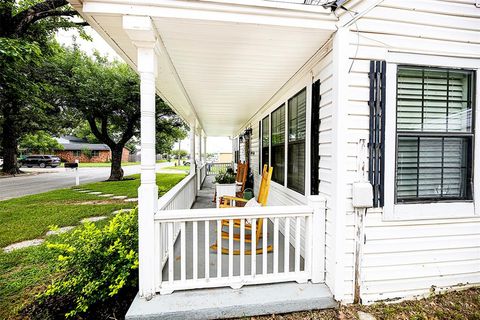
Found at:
(103, 164)
(23, 273)
(31, 216)
(183, 168)
(26, 272)
(165, 182)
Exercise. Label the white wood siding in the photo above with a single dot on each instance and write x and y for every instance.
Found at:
(404, 259)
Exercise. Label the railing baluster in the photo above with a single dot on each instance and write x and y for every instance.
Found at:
(171, 258)
(265, 245)
(183, 252)
(275, 245)
(253, 247)
(207, 249)
(158, 255)
(307, 242)
(195, 249)
(230, 248)
(297, 244)
(286, 254)
(219, 248)
(242, 247)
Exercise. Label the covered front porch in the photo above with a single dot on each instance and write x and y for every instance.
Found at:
(220, 284)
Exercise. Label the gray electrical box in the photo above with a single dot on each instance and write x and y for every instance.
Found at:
(362, 195)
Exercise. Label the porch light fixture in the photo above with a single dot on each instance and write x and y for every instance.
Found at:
(332, 5)
(247, 132)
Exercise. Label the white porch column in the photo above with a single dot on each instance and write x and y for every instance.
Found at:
(192, 148)
(142, 34)
(205, 147)
(200, 147)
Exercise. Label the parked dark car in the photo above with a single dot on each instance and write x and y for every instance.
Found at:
(41, 161)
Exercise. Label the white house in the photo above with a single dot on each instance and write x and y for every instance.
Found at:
(366, 111)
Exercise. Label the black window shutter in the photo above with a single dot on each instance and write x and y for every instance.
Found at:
(260, 147)
(315, 131)
(376, 144)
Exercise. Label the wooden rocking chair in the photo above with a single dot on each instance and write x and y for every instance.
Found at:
(262, 200)
(241, 178)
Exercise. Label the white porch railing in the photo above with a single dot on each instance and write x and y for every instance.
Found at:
(201, 175)
(181, 196)
(196, 261)
(217, 167)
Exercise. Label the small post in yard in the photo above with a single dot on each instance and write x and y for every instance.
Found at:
(77, 174)
(318, 204)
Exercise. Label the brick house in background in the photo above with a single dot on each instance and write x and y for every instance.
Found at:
(75, 148)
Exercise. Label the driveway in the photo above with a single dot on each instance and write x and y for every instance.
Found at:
(50, 179)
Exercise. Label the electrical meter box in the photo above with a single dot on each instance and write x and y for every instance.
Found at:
(362, 195)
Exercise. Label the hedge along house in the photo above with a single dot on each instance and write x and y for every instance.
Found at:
(366, 113)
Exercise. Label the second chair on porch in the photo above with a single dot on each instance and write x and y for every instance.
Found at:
(228, 202)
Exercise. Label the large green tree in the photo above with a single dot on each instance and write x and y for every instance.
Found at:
(28, 101)
(107, 95)
(40, 141)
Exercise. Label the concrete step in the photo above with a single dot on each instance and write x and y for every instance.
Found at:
(229, 303)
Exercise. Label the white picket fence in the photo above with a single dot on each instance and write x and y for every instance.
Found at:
(196, 261)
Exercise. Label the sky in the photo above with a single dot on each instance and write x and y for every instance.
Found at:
(67, 37)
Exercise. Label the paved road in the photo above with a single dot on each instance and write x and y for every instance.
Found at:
(57, 178)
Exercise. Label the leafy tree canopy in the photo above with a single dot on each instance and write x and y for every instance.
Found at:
(107, 95)
(28, 81)
(40, 142)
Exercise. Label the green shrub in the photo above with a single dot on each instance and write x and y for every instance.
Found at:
(225, 178)
(96, 264)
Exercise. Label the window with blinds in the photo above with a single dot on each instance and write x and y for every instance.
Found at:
(434, 134)
(296, 142)
(278, 144)
(265, 142)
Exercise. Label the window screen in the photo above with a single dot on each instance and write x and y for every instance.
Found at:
(296, 142)
(265, 141)
(434, 134)
(278, 144)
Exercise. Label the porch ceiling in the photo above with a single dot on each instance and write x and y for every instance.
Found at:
(220, 68)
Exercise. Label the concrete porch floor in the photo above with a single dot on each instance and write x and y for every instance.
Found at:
(227, 302)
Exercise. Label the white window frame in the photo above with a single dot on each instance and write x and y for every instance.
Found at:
(434, 210)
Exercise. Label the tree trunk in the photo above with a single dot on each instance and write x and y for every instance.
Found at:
(9, 146)
(116, 171)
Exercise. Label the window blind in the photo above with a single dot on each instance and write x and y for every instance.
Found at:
(278, 144)
(265, 142)
(296, 142)
(434, 134)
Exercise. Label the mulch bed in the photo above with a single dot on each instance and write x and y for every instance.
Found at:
(458, 305)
